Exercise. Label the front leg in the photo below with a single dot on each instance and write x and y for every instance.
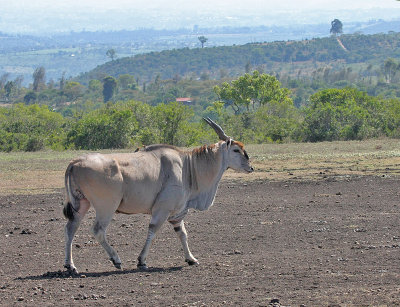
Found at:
(180, 230)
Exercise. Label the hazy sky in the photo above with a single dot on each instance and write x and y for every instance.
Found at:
(66, 15)
(227, 4)
(187, 4)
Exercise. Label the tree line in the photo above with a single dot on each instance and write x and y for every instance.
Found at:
(254, 108)
(67, 95)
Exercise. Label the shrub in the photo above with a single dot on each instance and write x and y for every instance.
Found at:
(107, 128)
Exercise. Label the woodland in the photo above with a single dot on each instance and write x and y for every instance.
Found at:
(315, 90)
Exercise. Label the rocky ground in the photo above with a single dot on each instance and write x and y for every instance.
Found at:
(316, 243)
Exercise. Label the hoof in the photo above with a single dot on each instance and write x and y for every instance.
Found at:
(142, 267)
(116, 264)
(71, 270)
(191, 262)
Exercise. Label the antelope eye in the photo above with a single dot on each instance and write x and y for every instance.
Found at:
(236, 150)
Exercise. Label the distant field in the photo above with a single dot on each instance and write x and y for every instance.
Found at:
(43, 172)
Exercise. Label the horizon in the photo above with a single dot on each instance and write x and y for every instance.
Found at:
(51, 17)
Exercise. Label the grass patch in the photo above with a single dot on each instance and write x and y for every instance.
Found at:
(43, 172)
(309, 161)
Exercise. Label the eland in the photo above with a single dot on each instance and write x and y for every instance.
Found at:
(160, 180)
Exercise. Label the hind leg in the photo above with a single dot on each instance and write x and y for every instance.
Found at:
(99, 232)
(70, 230)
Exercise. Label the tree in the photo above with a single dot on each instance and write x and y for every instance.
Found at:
(3, 80)
(336, 27)
(111, 54)
(95, 85)
(247, 68)
(62, 81)
(275, 121)
(39, 78)
(202, 40)
(73, 90)
(339, 114)
(10, 89)
(30, 97)
(390, 68)
(18, 84)
(251, 91)
(127, 81)
(170, 119)
(109, 87)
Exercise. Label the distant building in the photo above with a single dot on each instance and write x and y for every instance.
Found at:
(185, 100)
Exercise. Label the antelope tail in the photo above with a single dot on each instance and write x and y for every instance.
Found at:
(69, 209)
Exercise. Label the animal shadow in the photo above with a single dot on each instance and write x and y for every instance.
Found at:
(66, 274)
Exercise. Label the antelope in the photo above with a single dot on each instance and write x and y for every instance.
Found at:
(160, 180)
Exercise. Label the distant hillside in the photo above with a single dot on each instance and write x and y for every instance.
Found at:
(232, 60)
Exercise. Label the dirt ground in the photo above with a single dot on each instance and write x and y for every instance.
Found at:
(332, 242)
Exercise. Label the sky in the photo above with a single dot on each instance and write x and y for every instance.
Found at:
(227, 4)
(24, 16)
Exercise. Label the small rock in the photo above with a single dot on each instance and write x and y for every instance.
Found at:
(26, 232)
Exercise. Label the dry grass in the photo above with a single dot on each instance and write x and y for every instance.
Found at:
(309, 161)
(43, 172)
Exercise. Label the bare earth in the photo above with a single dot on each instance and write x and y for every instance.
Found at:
(329, 242)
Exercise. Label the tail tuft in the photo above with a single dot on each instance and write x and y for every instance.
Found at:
(68, 211)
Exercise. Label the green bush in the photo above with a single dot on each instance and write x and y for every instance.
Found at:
(171, 120)
(12, 141)
(336, 114)
(106, 128)
(30, 128)
(34, 143)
